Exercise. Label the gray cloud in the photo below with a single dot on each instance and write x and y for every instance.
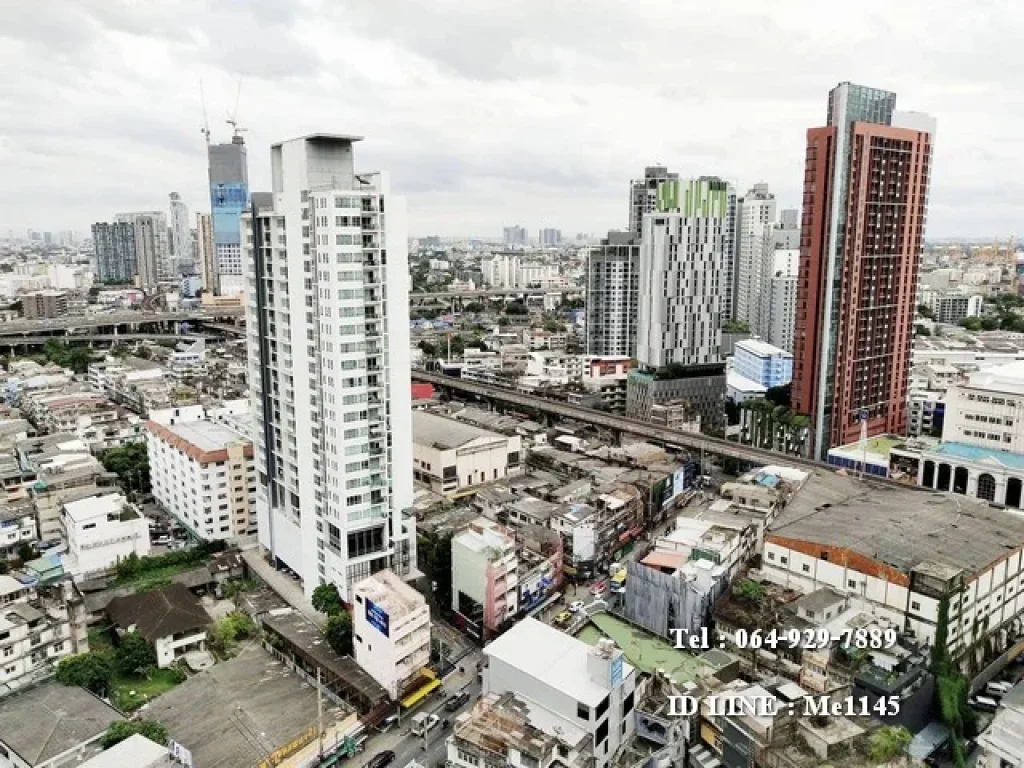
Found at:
(526, 111)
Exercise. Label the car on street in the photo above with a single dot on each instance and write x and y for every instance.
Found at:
(424, 723)
(381, 759)
(455, 701)
(599, 589)
(562, 619)
(575, 606)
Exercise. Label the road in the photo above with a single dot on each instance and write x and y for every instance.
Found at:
(408, 747)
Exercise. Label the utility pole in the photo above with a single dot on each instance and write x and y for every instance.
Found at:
(320, 711)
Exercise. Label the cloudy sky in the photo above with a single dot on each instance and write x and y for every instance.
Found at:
(493, 113)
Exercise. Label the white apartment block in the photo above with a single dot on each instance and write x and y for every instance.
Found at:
(100, 531)
(586, 693)
(202, 472)
(451, 456)
(391, 632)
(777, 305)
(755, 222)
(34, 635)
(17, 524)
(684, 273)
(327, 313)
(180, 236)
(612, 284)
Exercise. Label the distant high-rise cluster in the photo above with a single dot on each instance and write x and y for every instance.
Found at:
(180, 235)
(153, 261)
(516, 235)
(548, 237)
(865, 203)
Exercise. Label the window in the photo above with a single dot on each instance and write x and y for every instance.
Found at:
(771, 555)
(582, 711)
(806, 568)
(627, 704)
(601, 708)
(601, 734)
(851, 583)
(915, 606)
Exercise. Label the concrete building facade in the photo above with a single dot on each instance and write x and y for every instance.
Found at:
(328, 347)
(152, 261)
(485, 577)
(866, 186)
(390, 632)
(755, 222)
(100, 531)
(612, 283)
(452, 456)
(114, 247)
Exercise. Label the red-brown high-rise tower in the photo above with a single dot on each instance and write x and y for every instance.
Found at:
(864, 211)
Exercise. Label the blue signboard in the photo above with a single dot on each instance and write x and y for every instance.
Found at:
(615, 673)
(378, 617)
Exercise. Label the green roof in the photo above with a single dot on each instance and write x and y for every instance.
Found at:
(643, 650)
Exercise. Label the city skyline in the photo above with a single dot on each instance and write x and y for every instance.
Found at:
(527, 137)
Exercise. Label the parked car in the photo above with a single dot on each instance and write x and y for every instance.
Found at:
(575, 606)
(381, 759)
(423, 724)
(599, 589)
(456, 700)
(562, 619)
(984, 703)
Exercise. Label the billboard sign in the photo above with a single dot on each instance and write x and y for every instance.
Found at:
(377, 617)
(615, 671)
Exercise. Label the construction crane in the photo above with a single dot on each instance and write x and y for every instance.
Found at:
(205, 130)
(233, 115)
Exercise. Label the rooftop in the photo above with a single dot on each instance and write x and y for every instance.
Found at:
(136, 751)
(558, 659)
(900, 526)
(499, 723)
(645, 651)
(445, 434)
(43, 722)
(976, 453)
(159, 612)
(203, 441)
(761, 348)
(742, 384)
(100, 506)
(235, 713)
(392, 594)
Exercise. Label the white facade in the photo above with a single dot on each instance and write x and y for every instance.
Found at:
(452, 456)
(755, 222)
(576, 685)
(33, 636)
(327, 310)
(202, 472)
(777, 308)
(100, 531)
(17, 524)
(391, 631)
(181, 236)
(988, 410)
(683, 278)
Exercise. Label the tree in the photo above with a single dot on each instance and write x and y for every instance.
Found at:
(26, 551)
(735, 326)
(889, 742)
(780, 395)
(327, 600)
(427, 348)
(475, 307)
(118, 732)
(990, 323)
(234, 627)
(516, 308)
(554, 326)
(134, 655)
(338, 633)
(971, 323)
(925, 311)
(4, 566)
(748, 591)
(91, 671)
(921, 330)
(131, 465)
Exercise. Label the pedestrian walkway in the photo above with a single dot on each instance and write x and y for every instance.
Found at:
(289, 590)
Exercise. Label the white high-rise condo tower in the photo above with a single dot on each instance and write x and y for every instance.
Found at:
(327, 309)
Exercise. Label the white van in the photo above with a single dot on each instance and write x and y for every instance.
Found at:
(998, 688)
(424, 723)
(984, 703)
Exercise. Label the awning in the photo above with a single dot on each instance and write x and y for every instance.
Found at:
(417, 696)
